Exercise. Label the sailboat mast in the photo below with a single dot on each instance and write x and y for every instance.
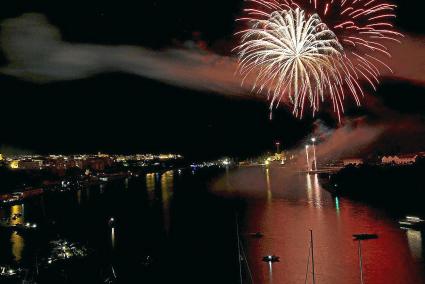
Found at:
(239, 249)
(312, 256)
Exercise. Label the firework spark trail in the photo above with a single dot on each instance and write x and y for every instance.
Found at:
(288, 62)
(295, 54)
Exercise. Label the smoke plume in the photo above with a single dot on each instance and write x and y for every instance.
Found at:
(35, 51)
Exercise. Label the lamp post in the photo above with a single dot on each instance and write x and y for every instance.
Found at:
(306, 154)
(277, 147)
(314, 153)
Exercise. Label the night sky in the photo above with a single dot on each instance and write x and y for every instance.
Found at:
(117, 112)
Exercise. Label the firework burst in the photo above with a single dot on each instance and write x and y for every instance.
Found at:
(315, 49)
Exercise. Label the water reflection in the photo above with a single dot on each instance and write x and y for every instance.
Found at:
(79, 197)
(309, 189)
(18, 244)
(150, 185)
(269, 189)
(87, 191)
(73, 216)
(167, 181)
(337, 204)
(414, 239)
(113, 237)
(317, 190)
(17, 217)
(314, 190)
(270, 272)
(228, 186)
(17, 214)
(298, 204)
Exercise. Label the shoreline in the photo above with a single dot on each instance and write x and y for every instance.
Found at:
(398, 188)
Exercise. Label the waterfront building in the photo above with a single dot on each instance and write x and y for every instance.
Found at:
(400, 159)
(353, 162)
(30, 164)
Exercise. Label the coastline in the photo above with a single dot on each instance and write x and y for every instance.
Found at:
(396, 187)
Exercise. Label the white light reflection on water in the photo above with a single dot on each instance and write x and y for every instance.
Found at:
(414, 239)
(269, 189)
(317, 190)
(313, 190)
(309, 189)
(113, 237)
(270, 272)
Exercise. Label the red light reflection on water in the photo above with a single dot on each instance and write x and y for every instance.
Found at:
(284, 206)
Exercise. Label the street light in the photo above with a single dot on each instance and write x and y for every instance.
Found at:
(277, 147)
(314, 153)
(360, 238)
(306, 154)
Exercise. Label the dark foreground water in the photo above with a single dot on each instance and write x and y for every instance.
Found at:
(170, 217)
(190, 232)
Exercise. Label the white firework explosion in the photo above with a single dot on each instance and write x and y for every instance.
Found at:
(297, 56)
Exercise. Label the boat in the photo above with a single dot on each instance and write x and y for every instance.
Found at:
(412, 222)
(364, 237)
(147, 261)
(17, 197)
(271, 258)
(6, 224)
(63, 251)
(111, 222)
(11, 198)
(8, 273)
(257, 235)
